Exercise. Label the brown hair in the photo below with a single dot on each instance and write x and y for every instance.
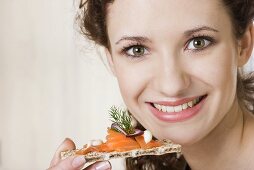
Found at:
(92, 21)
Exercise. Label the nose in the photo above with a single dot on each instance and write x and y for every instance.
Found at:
(171, 79)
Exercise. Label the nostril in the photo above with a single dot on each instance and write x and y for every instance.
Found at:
(171, 84)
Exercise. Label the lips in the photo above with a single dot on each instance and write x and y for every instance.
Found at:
(179, 110)
(166, 107)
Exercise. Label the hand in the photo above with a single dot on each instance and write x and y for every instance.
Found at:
(73, 162)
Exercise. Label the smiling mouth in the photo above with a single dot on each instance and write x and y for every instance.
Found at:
(180, 107)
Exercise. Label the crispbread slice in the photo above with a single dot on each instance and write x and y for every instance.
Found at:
(167, 147)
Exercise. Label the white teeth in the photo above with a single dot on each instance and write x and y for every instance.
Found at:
(185, 106)
(178, 108)
(170, 109)
(190, 104)
(164, 108)
(158, 106)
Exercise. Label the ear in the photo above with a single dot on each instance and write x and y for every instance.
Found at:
(110, 61)
(246, 46)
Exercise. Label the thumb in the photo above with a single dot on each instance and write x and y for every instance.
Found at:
(67, 144)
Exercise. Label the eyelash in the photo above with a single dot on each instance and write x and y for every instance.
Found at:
(130, 46)
(204, 37)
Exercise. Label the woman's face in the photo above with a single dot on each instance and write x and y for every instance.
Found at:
(176, 64)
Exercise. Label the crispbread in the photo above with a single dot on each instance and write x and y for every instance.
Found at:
(167, 147)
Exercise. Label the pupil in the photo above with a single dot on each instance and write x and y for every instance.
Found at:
(138, 50)
(199, 43)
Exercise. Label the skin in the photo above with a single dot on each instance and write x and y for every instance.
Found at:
(218, 137)
(73, 162)
(170, 69)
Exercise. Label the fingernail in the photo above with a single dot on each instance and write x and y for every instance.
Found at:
(103, 166)
(78, 161)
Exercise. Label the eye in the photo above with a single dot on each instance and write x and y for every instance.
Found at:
(198, 43)
(136, 51)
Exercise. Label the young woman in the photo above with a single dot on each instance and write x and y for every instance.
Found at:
(179, 69)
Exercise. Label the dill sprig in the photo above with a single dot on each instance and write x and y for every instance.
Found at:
(122, 118)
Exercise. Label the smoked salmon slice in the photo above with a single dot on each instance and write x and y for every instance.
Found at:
(119, 142)
(116, 141)
(104, 148)
(123, 144)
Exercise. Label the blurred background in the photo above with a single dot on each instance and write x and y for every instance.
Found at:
(53, 84)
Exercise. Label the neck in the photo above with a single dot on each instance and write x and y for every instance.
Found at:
(219, 149)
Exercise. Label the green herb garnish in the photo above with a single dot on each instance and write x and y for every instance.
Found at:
(122, 118)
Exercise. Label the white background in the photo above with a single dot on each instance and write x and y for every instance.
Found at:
(52, 84)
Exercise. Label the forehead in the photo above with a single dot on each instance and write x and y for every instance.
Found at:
(148, 16)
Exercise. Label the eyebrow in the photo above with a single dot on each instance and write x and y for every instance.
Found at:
(142, 39)
(198, 29)
(139, 39)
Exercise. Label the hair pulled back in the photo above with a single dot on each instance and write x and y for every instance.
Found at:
(92, 22)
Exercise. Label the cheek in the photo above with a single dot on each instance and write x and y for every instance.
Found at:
(132, 80)
(134, 77)
(218, 69)
(225, 74)
(221, 78)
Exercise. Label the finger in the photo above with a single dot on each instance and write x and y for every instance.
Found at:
(67, 144)
(70, 163)
(105, 165)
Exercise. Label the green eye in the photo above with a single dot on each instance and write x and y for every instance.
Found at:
(198, 43)
(136, 51)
